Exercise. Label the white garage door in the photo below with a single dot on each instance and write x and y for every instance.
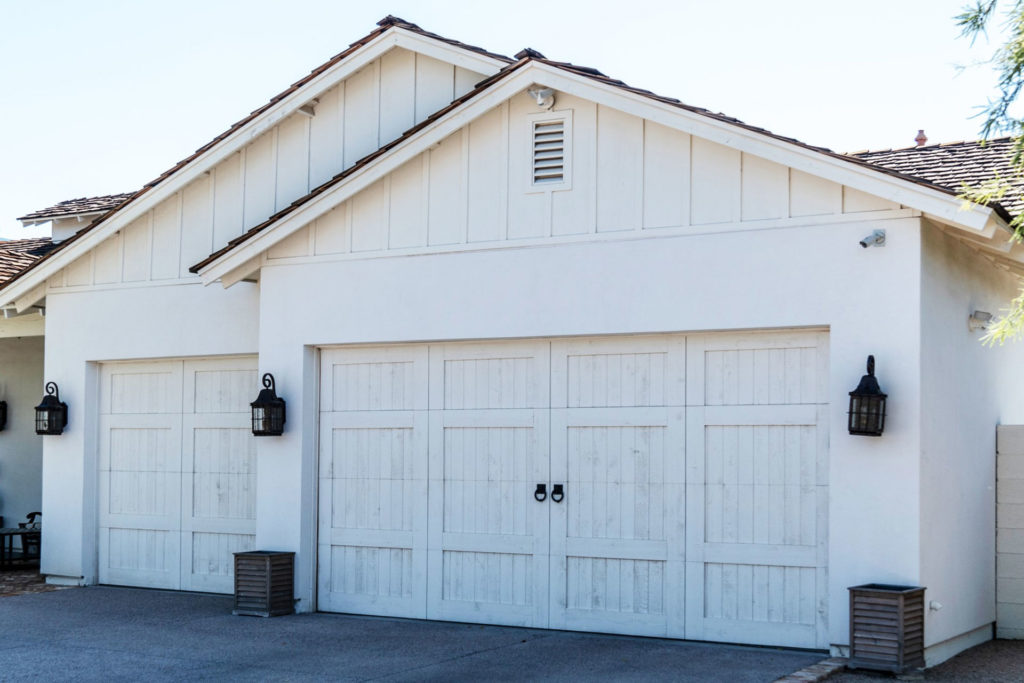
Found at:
(691, 473)
(177, 472)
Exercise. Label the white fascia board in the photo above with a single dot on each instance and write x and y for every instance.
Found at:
(850, 173)
(49, 219)
(445, 52)
(239, 257)
(239, 139)
(30, 299)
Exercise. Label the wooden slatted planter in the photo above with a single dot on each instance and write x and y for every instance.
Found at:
(886, 627)
(264, 583)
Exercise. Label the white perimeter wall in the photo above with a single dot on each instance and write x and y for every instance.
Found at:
(967, 390)
(84, 328)
(793, 277)
(21, 450)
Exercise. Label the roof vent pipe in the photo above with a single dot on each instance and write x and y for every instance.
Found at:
(921, 138)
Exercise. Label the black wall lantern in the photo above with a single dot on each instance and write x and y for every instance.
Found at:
(268, 410)
(51, 413)
(3, 415)
(867, 405)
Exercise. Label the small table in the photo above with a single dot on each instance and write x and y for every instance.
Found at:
(7, 536)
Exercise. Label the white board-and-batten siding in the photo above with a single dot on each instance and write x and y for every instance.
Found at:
(352, 119)
(627, 174)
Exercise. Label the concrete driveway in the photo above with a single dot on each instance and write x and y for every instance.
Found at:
(102, 633)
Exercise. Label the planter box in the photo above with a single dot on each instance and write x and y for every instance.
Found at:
(264, 583)
(886, 627)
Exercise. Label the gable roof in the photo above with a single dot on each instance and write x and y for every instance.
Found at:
(527, 57)
(17, 255)
(77, 207)
(388, 23)
(954, 164)
(976, 219)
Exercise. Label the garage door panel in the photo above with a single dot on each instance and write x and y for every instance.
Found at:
(177, 489)
(756, 531)
(373, 486)
(617, 447)
(488, 535)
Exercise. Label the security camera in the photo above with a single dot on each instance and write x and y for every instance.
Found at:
(875, 239)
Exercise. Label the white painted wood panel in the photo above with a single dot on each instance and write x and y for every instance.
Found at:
(488, 537)
(407, 219)
(435, 83)
(326, 136)
(107, 261)
(714, 182)
(196, 223)
(855, 201)
(137, 250)
(814, 196)
(362, 105)
(617, 539)
(292, 171)
(166, 242)
(260, 180)
(447, 200)
(177, 472)
(619, 170)
(765, 189)
(228, 200)
(334, 231)
(666, 176)
(487, 181)
(757, 496)
(397, 94)
(373, 481)
(370, 217)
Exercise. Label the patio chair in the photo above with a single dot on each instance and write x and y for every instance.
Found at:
(30, 542)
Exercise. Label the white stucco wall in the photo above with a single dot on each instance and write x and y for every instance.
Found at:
(118, 324)
(21, 450)
(967, 389)
(796, 277)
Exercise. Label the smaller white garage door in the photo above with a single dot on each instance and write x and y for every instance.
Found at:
(177, 472)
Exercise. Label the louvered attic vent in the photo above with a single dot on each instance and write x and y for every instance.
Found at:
(548, 152)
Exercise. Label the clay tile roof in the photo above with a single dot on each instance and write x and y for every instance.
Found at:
(953, 164)
(17, 255)
(82, 205)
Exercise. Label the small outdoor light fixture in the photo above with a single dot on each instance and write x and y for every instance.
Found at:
(51, 413)
(268, 410)
(867, 405)
(3, 415)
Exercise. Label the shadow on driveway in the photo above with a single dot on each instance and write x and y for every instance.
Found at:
(102, 633)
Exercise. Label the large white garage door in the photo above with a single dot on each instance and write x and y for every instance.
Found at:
(684, 484)
(177, 472)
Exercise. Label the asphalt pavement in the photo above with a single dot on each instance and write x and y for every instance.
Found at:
(114, 634)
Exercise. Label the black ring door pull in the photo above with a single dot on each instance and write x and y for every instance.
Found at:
(541, 493)
(557, 493)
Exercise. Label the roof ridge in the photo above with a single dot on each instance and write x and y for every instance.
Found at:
(937, 145)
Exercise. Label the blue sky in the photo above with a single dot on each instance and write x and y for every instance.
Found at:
(101, 96)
